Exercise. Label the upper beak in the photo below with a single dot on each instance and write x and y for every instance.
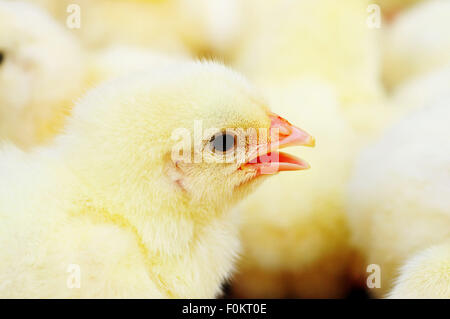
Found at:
(267, 160)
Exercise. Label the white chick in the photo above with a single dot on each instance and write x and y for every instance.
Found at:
(398, 199)
(421, 90)
(295, 234)
(41, 71)
(417, 42)
(112, 201)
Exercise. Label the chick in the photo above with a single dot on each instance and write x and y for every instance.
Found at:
(152, 24)
(41, 71)
(398, 201)
(325, 39)
(210, 27)
(421, 90)
(295, 235)
(319, 61)
(425, 275)
(417, 42)
(125, 195)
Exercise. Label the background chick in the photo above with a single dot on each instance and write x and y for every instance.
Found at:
(111, 200)
(41, 71)
(421, 90)
(425, 275)
(151, 24)
(417, 42)
(211, 28)
(397, 200)
(295, 235)
(332, 85)
(293, 45)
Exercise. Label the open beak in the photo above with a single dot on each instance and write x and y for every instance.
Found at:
(267, 160)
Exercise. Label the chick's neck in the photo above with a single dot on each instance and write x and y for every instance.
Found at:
(168, 227)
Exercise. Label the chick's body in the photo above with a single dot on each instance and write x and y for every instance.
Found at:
(425, 275)
(41, 72)
(399, 204)
(106, 197)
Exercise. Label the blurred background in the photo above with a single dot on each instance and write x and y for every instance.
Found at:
(369, 79)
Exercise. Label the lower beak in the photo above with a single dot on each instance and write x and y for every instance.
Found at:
(268, 160)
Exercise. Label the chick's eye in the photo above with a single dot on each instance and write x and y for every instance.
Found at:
(2, 57)
(223, 142)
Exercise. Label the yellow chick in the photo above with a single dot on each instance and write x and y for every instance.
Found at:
(399, 206)
(102, 23)
(41, 71)
(417, 42)
(132, 200)
(295, 236)
(319, 61)
(211, 27)
(326, 39)
(425, 275)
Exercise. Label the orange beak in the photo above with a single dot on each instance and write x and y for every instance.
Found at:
(267, 160)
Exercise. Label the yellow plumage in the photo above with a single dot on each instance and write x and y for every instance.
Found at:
(151, 24)
(295, 234)
(105, 195)
(425, 275)
(41, 73)
(319, 62)
(293, 44)
(417, 42)
(398, 203)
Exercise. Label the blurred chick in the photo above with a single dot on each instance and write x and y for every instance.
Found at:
(399, 205)
(152, 24)
(295, 235)
(317, 60)
(108, 196)
(421, 90)
(210, 27)
(325, 39)
(41, 71)
(425, 275)
(417, 42)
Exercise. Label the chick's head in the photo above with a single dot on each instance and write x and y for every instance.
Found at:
(179, 133)
(40, 71)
